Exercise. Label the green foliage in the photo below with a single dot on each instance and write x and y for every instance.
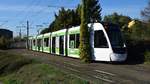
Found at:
(4, 43)
(93, 11)
(147, 57)
(120, 20)
(140, 31)
(64, 19)
(10, 81)
(137, 30)
(85, 48)
(42, 74)
(46, 30)
(90, 12)
(10, 63)
(16, 69)
(67, 18)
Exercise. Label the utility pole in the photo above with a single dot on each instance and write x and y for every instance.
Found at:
(20, 35)
(27, 34)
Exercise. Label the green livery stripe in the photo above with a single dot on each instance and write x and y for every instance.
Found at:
(46, 35)
(40, 37)
(40, 48)
(57, 50)
(59, 33)
(34, 48)
(73, 53)
(30, 38)
(46, 49)
(34, 37)
(37, 49)
(74, 31)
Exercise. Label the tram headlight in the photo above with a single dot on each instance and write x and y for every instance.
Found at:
(111, 56)
(118, 57)
(115, 57)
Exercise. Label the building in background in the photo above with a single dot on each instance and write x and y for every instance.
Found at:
(6, 33)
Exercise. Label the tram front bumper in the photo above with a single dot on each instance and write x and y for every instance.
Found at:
(118, 57)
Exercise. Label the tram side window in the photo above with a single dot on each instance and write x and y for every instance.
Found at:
(53, 44)
(31, 42)
(100, 40)
(74, 41)
(77, 40)
(40, 42)
(53, 41)
(46, 40)
(34, 42)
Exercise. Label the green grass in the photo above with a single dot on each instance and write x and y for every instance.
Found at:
(15, 69)
(10, 63)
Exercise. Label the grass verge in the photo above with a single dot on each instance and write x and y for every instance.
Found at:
(16, 69)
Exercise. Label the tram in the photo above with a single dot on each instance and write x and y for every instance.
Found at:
(106, 40)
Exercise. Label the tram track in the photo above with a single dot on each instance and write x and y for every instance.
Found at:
(87, 74)
(98, 74)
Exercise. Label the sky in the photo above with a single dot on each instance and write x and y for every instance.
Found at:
(40, 13)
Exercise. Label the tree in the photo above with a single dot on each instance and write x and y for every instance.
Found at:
(46, 30)
(94, 11)
(85, 54)
(90, 13)
(146, 12)
(120, 20)
(67, 18)
(112, 18)
(61, 22)
(139, 31)
(4, 42)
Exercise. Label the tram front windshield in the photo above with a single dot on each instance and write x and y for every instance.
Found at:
(116, 38)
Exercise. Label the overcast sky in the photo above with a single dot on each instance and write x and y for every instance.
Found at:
(15, 13)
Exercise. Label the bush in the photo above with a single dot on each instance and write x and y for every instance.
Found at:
(10, 63)
(139, 31)
(4, 43)
(147, 56)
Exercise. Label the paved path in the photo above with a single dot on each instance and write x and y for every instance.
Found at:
(94, 72)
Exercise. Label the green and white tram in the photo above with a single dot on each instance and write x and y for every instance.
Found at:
(105, 39)
(30, 42)
(46, 43)
(34, 43)
(39, 39)
(58, 42)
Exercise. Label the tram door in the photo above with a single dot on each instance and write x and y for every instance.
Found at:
(101, 46)
(53, 44)
(38, 44)
(61, 45)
